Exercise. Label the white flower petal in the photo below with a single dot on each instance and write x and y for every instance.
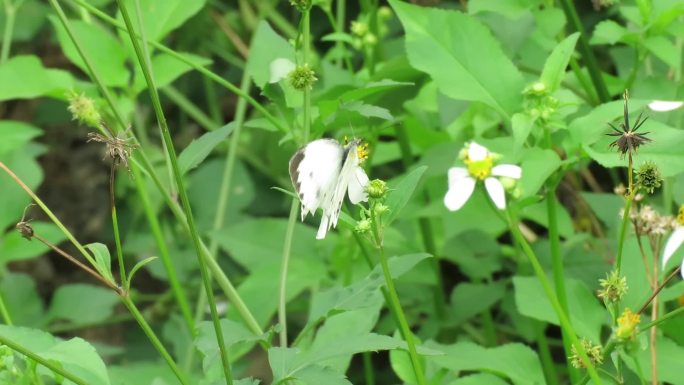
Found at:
(673, 242)
(665, 105)
(455, 174)
(280, 68)
(477, 152)
(459, 193)
(507, 170)
(496, 191)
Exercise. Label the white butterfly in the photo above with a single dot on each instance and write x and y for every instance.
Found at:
(322, 171)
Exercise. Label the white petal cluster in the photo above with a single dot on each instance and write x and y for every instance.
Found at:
(462, 180)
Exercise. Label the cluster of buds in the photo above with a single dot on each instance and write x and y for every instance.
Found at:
(648, 177)
(302, 78)
(84, 110)
(301, 5)
(613, 287)
(538, 102)
(594, 352)
(377, 191)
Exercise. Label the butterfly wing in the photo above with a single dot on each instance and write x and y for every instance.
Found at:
(315, 170)
(357, 186)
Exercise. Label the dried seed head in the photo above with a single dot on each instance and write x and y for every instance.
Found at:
(24, 227)
(628, 140)
(118, 149)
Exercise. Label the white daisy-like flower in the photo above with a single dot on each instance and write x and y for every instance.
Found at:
(479, 167)
(675, 240)
(665, 105)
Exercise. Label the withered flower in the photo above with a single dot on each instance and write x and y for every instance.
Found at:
(629, 140)
(117, 148)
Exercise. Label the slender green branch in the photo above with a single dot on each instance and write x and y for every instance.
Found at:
(10, 16)
(144, 62)
(164, 254)
(190, 108)
(4, 312)
(48, 363)
(154, 339)
(625, 217)
(282, 287)
(204, 71)
(546, 285)
(115, 224)
(395, 304)
(584, 46)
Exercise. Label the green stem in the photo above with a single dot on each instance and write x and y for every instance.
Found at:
(115, 226)
(204, 71)
(189, 108)
(306, 44)
(10, 15)
(400, 317)
(426, 232)
(625, 218)
(153, 338)
(48, 363)
(662, 319)
(368, 372)
(144, 62)
(584, 46)
(556, 257)
(4, 312)
(565, 324)
(545, 355)
(287, 251)
(164, 254)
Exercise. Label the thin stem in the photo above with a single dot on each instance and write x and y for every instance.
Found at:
(153, 338)
(164, 254)
(10, 15)
(625, 217)
(115, 225)
(368, 373)
(189, 108)
(4, 312)
(204, 71)
(306, 44)
(657, 291)
(675, 313)
(49, 213)
(562, 317)
(545, 355)
(584, 46)
(48, 363)
(400, 317)
(287, 251)
(143, 60)
(556, 257)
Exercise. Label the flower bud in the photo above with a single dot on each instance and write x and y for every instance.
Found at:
(648, 177)
(83, 109)
(358, 28)
(363, 226)
(627, 324)
(613, 287)
(376, 189)
(594, 352)
(302, 78)
(301, 5)
(380, 209)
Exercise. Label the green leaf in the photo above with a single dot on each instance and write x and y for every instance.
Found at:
(470, 299)
(142, 372)
(13, 198)
(103, 260)
(669, 355)
(199, 149)
(363, 293)
(586, 314)
(515, 361)
(15, 134)
(401, 192)
(522, 125)
(24, 77)
(610, 32)
(161, 18)
(234, 333)
(512, 9)
(104, 50)
(75, 355)
(166, 69)
(21, 299)
(665, 50)
(480, 379)
(82, 304)
(554, 68)
(371, 89)
(137, 267)
(537, 166)
(13, 247)
(266, 46)
(461, 56)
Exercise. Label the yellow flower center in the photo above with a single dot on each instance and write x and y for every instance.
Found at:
(362, 152)
(680, 215)
(480, 169)
(627, 324)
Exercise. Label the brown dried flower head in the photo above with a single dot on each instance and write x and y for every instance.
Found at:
(628, 140)
(118, 148)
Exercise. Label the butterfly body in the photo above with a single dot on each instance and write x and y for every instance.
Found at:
(322, 172)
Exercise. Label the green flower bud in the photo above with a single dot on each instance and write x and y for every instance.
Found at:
(385, 12)
(302, 78)
(380, 209)
(363, 226)
(648, 177)
(594, 352)
(358, 28)
(83, 109)
(370, 39)
(376, 189)
(301, 5)
(613, 287)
